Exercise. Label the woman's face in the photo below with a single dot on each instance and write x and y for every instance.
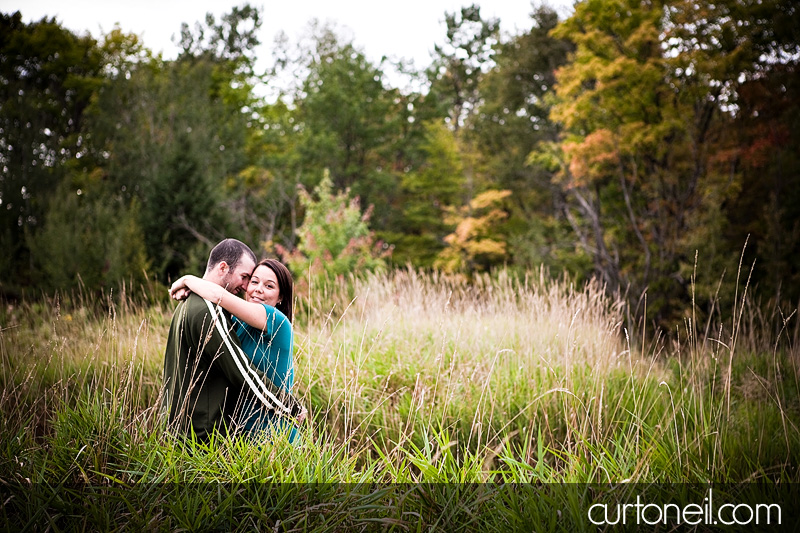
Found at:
(263, 287)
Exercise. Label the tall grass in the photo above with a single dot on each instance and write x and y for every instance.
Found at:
(415, 378)
(504, 367)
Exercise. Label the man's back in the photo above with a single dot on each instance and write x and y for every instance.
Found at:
(198, 386)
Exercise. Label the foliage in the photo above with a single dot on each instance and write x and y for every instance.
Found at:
(459, 64)
(430, 190)
(231, 42)
(474, 245)
(262, 197)
(347, 119)
(514, 117)
(643, 144)
(764, 151)
(172, 132)
(48, 76)
(88, 241)
(646, 102)
(334, 238)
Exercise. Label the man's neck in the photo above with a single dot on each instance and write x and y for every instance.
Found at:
(213, 277)
(216, 278)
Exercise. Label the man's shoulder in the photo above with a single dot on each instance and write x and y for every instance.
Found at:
(191, 308)
(198, 307)
(195, 301)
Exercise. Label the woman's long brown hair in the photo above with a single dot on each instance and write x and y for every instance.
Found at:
(285, 285)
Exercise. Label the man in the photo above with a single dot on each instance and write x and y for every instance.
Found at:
(206, 373)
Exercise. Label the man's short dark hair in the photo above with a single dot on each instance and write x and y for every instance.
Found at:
(230, 251)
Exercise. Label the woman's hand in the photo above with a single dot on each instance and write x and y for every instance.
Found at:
(303, 416)
(179, 290)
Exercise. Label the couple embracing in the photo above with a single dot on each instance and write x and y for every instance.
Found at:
(228, 363)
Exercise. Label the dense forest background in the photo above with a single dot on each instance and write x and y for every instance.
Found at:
(653, 145)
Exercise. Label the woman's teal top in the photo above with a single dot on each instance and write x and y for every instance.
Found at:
(271, 351)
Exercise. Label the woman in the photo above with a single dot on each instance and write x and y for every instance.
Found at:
(264, 327)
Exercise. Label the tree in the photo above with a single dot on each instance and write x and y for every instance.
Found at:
(459, 64)
(349, 122)
(513, 118)
(647, 102)
(630, 169)
(89, 239)
(175, 133)
(429, 191)
(475, 245)
(230, 42)
(334, 238)
(766, 144)
(48, 76)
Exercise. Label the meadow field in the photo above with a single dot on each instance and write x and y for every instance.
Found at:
(430, 399)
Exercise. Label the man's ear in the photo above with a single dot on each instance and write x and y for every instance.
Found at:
(223, 267)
